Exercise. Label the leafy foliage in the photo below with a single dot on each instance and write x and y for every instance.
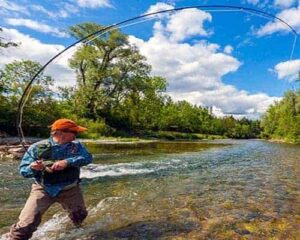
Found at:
(282, 120)
(115, 95)
(108, 70)
(41, 107)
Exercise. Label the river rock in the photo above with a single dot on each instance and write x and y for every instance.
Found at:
(12, 151)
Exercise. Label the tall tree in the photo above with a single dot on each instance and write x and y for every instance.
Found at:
(108, 70)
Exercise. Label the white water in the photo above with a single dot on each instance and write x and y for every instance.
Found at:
(60, 221)
(49, 230)
(135, 168)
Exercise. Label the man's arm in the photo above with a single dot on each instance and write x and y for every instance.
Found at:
(83, 158)
(29, 162)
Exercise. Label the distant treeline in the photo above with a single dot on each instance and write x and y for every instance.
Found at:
(141, 112)
(114, 95)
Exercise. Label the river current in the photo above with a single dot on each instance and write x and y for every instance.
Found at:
(226, 189)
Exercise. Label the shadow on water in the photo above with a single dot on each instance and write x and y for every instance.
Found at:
(145, 230)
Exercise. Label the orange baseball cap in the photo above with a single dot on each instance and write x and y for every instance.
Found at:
(67, 124)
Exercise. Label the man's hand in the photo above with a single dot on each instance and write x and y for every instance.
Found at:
(59, 165)
(37, 165)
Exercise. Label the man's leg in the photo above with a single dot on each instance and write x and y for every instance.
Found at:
(37, 203)
(72, 201)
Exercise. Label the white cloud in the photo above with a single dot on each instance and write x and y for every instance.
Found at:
(63, 12)
(182, 24)
(37, 26)
(187, 67)
(228, 49)
(194, 70)
(291, 16)
(284, 3)
(94, 3)
(261, 4)
(227, 100)
(187, 23)
(41, 9)
(288, 70)
(69, 8)
(253, 2)
(160, 6)
(11, 9)
(33, 49)
(9, 6)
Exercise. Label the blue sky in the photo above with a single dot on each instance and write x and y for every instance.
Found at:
(233, 61)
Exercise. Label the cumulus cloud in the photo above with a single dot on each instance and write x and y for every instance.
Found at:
(187, 23)
(194, 70)
(227, 100)
(37, 26)
(33, 49)
(284, 3)
(291, 16)
(288, 70)
(182, 24)
(94, 3)
(187, 67)
(160, 6)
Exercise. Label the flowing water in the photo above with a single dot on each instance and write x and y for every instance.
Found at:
(248, 189)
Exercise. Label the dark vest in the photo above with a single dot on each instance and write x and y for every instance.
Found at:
(69, 174)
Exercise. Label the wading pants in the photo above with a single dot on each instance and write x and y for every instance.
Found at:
(39, 201)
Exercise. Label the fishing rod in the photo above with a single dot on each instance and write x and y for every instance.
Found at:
(120, 24)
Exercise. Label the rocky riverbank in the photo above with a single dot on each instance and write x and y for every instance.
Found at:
(11, 147)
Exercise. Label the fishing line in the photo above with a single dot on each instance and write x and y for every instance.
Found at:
(293, 47)
(101, 34)
(114, 28)
(27, 90)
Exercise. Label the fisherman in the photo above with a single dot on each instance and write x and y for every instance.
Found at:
(54, 164)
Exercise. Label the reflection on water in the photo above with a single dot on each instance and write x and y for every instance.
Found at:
(228, 190)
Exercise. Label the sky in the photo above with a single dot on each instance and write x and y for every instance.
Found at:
(235, 62)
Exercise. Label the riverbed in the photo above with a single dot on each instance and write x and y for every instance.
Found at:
(223, 189)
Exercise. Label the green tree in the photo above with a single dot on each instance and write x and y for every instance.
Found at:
(281, 121)
(144, 110)
(108, 70)
(185, 117)
(40, 109)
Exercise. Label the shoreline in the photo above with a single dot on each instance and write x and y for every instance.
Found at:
(12, 149)
(276, 140)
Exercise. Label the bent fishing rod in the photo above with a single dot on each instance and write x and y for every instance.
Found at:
(120, 24)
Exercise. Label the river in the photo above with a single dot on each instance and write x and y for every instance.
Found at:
(224, 189)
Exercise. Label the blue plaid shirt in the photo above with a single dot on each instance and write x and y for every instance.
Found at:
(75, 157)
